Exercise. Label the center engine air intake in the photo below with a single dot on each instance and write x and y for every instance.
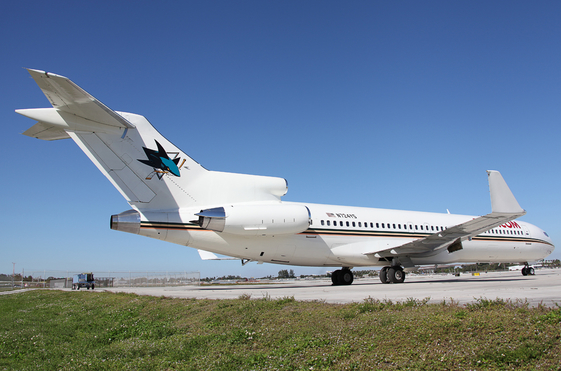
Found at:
(264, 219)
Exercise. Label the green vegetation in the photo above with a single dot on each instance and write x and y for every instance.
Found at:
(56, 330)
(283, 273)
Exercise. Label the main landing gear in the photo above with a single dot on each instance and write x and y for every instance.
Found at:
(394, 274)
(342, 277)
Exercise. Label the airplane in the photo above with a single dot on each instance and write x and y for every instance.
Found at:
(244, 217)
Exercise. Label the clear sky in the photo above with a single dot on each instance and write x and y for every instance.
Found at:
(392, 104)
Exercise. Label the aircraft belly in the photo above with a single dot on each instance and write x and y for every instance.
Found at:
(294, 249)
(488, 252)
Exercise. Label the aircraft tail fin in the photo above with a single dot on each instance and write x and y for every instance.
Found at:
(148, 170)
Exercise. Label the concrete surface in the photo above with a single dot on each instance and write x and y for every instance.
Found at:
(544, 288)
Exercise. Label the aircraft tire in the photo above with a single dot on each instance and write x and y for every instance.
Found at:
(384, 275)
(396, 275)
(346, 277)
(524, 271)
(335, 277)
(531, 271)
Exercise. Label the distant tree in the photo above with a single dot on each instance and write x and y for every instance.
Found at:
(283, 273)
(291, 274)
(229, 277)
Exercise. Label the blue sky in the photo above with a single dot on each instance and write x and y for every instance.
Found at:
(400, 104)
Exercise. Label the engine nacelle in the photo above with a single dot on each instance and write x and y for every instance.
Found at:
(128, 221)
(263, 219)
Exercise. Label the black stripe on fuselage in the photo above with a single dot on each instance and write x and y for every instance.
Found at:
(343, 232)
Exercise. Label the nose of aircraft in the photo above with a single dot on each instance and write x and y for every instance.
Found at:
(549, 246)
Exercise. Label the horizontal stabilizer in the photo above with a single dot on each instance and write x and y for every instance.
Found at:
(68, 98)
(46, 132)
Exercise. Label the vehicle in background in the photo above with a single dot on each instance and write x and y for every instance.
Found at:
(83, 280)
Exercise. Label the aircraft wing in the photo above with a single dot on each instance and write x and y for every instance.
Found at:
(504, 208)
(69, 99)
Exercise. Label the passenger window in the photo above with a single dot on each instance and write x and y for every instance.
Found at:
(354, 224)
(394, 226)
(377, 225)
(383, 225)
(347, 224)
(399, 226)
(416, 227)
(322, 222)
(328, 223)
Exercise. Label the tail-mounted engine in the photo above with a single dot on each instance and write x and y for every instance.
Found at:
(128, 221)
(264, 219)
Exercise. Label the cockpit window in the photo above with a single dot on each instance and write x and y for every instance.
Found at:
(546, 234)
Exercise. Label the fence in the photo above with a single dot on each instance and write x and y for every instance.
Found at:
(60, 279)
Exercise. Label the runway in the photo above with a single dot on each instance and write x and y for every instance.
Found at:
(542, 288)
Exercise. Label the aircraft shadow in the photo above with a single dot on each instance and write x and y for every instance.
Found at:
(371, 283)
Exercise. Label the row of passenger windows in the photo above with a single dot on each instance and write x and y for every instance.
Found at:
(383, 225)
(407, 227)
(505, 231)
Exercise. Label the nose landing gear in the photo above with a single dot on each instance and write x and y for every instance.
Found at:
(528, 271)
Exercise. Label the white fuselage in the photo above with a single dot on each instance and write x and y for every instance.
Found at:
(346, 236)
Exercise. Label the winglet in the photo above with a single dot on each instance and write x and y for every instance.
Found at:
(502, 199)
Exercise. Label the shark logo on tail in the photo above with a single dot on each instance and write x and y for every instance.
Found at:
(161, 162)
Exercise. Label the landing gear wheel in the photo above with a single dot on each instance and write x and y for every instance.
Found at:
(346, 277)
(384, 275)
(342, 277)
(524, 271)
(93, 286)
(531, 271)
(335, 277)
(396, 275)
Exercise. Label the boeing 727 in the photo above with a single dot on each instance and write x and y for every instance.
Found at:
(174, 198)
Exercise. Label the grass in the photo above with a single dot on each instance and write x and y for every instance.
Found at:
(44, 330)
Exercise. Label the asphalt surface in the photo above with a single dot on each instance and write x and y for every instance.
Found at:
(543, 288)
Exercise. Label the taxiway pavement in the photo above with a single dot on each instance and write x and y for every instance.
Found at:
(543, 288)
